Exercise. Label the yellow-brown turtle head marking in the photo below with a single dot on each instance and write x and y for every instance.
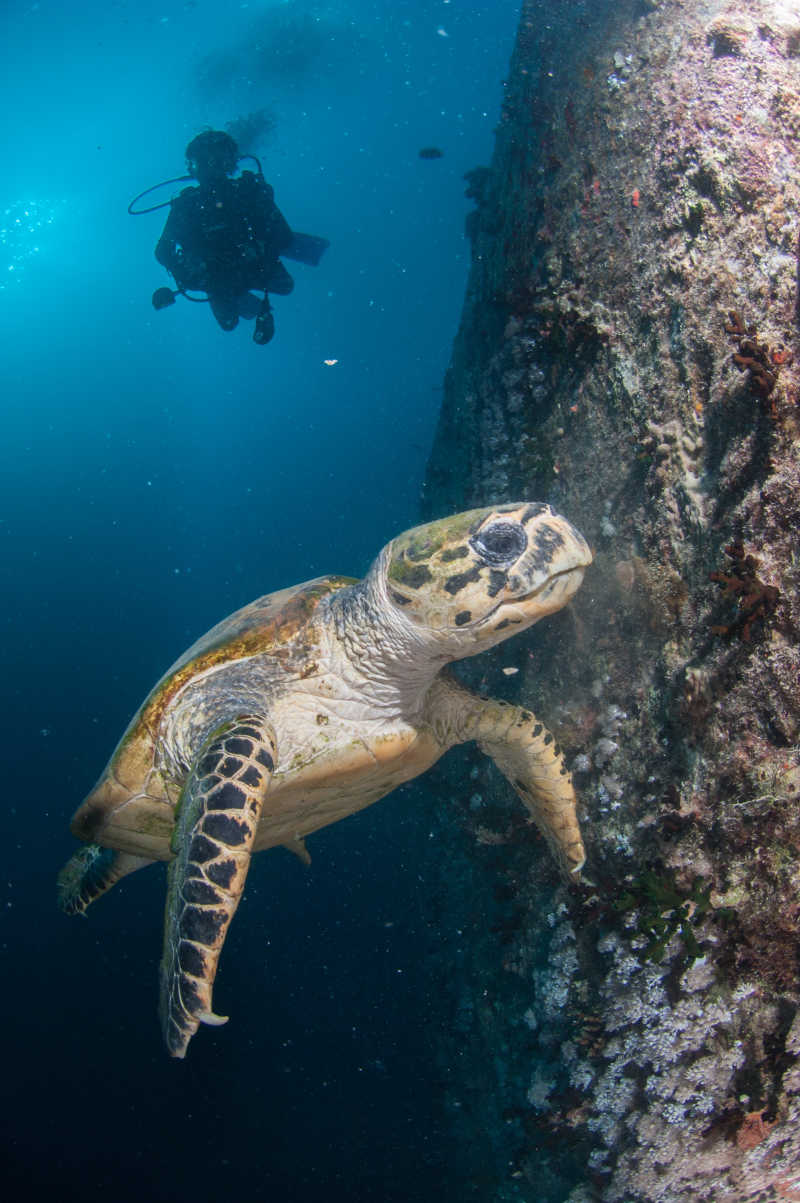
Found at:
(475, 578)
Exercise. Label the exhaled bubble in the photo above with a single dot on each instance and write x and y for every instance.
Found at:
(23, 230)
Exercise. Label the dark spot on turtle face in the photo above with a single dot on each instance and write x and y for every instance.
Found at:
(454, 584)
(556, 748)
(239, 747)
(537, 730)
(500, 542)
(462, 617)
(201, 926)
(195, 890)
(225, 829)
(454, 553)
(548, 739)
(191, 959)
(497, 581)
(263, 757)
(202, 850)
(222, 873)
(550, 536)
(417, 576)
(419, 551)
(398, 597)
(250, 776)
(548, 541)
(228, 797)
(533, 511)
(563, 770)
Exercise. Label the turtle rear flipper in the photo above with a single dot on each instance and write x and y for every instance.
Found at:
(90, 872)
(216, 824)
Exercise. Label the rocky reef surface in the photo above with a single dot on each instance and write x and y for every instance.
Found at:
(629, 350)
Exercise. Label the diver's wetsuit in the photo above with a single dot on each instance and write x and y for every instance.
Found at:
(225, 239)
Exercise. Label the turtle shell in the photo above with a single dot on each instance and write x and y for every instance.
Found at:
(133, 788)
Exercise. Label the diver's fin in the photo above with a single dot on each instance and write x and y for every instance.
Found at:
(162, 297)
(306, 248)
(248, 304)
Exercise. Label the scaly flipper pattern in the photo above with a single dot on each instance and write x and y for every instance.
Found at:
(91, 871)
(527, 754)
(215, 827)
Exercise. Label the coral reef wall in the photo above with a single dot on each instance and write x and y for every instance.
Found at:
(629, 351)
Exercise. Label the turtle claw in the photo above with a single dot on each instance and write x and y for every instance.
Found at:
(214, 1021)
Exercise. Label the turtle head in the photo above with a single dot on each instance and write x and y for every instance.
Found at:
(475, 578)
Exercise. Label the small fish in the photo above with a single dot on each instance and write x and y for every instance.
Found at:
(431, 152)
(509, 672)
(330, 362)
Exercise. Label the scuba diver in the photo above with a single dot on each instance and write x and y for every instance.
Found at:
(224, 237)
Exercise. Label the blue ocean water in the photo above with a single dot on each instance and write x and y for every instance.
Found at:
(156, 474)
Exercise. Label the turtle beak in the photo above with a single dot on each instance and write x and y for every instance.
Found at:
(553, 595)
(549, 572)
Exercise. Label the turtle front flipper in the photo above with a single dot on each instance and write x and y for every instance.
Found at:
(527, 754)
(215, 827)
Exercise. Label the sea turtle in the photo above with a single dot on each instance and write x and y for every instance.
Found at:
(308, 705)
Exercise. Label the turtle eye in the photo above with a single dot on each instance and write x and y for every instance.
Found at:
(500, 543)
